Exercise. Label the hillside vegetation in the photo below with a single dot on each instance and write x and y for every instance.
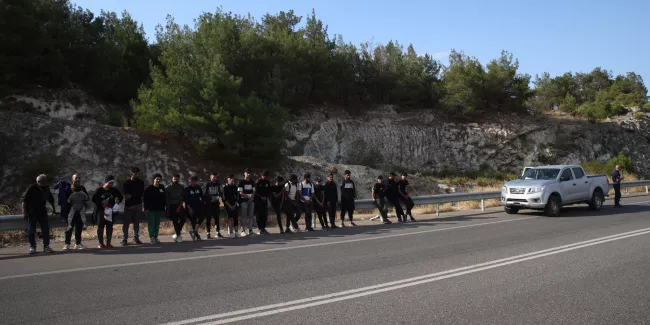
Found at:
(230, 81)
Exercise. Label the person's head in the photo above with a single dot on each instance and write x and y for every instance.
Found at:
(318, 180)
(134, 172)
(109, 181)
(330, 178)
(157, 178)
(404, 176)
(293, 178)
(247, 173)
(41, 180)
(307, 177)
(279, 180)
(231, 179)
(618, 167)
(380, 179)
(265, 174)
(193, 180)
(76, 186)
(348, 174)
(76, 177)
(392, 175)
(176, 178)
(213, 177)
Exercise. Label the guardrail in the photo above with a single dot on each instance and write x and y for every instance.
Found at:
(16, 222)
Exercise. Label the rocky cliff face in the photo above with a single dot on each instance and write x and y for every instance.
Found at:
(418, 141)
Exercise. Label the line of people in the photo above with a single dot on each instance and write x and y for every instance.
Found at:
(243, 200)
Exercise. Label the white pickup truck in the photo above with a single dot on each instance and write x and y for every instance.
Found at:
(549, 188)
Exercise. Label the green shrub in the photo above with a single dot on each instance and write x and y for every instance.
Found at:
(639, 115)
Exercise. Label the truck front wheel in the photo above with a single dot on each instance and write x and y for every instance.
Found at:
(553, 206)
(511, 210)
(597, 199)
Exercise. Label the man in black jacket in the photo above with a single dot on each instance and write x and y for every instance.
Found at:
(193, 204)
(403, 191)
(262, 193)
(155, 201)
(230, 198)
(392, 195)
(379, 196)
(331, 199)
(348, 195)
(319, 203)
(133, 189)
(35, 212)
(212, 192)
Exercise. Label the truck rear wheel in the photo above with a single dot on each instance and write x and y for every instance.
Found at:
(511, 210)
(553, 206)
(597, 200)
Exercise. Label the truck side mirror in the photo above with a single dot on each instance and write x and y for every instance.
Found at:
(564, 179)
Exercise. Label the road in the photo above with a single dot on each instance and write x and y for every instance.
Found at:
(467, 268)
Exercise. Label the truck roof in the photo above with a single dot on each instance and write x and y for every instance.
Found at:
(558, 166)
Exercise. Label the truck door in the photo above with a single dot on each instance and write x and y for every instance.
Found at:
(568, 186)
(582, 190)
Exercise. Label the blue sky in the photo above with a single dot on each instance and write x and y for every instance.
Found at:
(551, 35)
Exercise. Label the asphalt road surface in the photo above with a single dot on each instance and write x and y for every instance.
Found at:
(466, 268)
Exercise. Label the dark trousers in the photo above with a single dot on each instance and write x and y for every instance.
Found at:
(394, 201)
(409, 205)
(196, 218)
(262, 213)
(290, 211)
(212, 211)
(65, 210)
(331, 210)
(75, 225)
(380, 203)
(320, 212)
(617, 193)
(278, 213)
(45, 230)
(178, 219)
(132, 214)
(307, 208)
(104, 224)
(347, 205)
(232, 214)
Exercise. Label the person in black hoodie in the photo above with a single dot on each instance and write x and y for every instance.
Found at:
(133, 189)
(261, 197)
(392, 195)
(34, 203)
(331, 199)
(106, 196)
(319, 203)
(193, 204)
(402, 188)
(155, 201)
(348, 195)
(276, 200)
(212, 191)
(379, 196)
(230, 198)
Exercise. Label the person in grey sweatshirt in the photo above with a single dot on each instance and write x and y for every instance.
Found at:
(77, 201)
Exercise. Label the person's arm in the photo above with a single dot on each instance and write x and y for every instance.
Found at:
(354, 189)
(374, 188)
(83, 189)
(118, 195)
(56, 186)
(24, 199)
(50, 198)
(146, 199)
(399, 190)
(97, 199)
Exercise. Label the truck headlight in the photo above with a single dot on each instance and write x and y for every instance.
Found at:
(504, 189)
(535, 190)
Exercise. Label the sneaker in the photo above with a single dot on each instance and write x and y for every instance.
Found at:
(137, 241)
(109, 246)
(174, 236)
(242, 234)
(310, 229)
(157, 241)
(231, 235)
(219, 235)
(32, 250)
(153, 241)
(66, 247)
(47, 249)
(353, 224)
(288, 231)
(412, 219)
(208, 236)
(237, 235)
(179, 239)
(102, 246)
(79, 246)
(387, 222)
(124, 243)
(198, 237)
(334, 227)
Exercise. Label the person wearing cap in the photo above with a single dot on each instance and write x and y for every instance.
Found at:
(306, 194)
(133, 188)
(193, 205)
(246, 188)
(230, 198)
(154, 200)
(212, 190)
(348, 195)
(331, 199)
(392, 196)
(403, 191)
(106, 196)
(261, 194)
(277, 200)
(34, 202)
(292, 203)
(319, 203)
(378, 196)
(174, 211)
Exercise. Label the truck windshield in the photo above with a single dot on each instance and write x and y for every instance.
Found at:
(541, 173)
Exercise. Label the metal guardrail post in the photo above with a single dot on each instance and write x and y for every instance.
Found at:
(646, 189)
(482, 204)
(437, 209)
(627, 190)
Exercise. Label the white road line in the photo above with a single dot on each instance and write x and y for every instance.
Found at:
(182, 259)
(390, 286)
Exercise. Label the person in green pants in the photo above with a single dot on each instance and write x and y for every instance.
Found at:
(155, 201)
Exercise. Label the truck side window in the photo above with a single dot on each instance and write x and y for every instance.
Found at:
(567, 173)
(578, 172)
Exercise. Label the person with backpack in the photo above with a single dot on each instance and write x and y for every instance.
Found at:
(261, 198)
(379, 198)
(230, 197)
(348, 195)
(331, 199)
(277, 193)
(402, 188)
(292, 203)
(154, 200)
(105, 198)
(392, 195)
(212, 191)
(306, 192)
(319, 203)
(246, 189)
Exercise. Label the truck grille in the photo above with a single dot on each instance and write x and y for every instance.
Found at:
(517, 190)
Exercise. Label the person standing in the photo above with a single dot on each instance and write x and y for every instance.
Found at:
(65, 190)
(174, 200)
(403, 191)
(331, 200)
(378, 195)
(261, 197)
(276, 200)
(292, 203)
(76, 217)
(193, 203)
(306, 191)
(319, 203)
(212, 191)
(246, 189)
(616, 179)
(154, 200)
(392, 195)
(34, 202)
(348, 195)
(230, 198)
(106, 196)
(133, 189)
